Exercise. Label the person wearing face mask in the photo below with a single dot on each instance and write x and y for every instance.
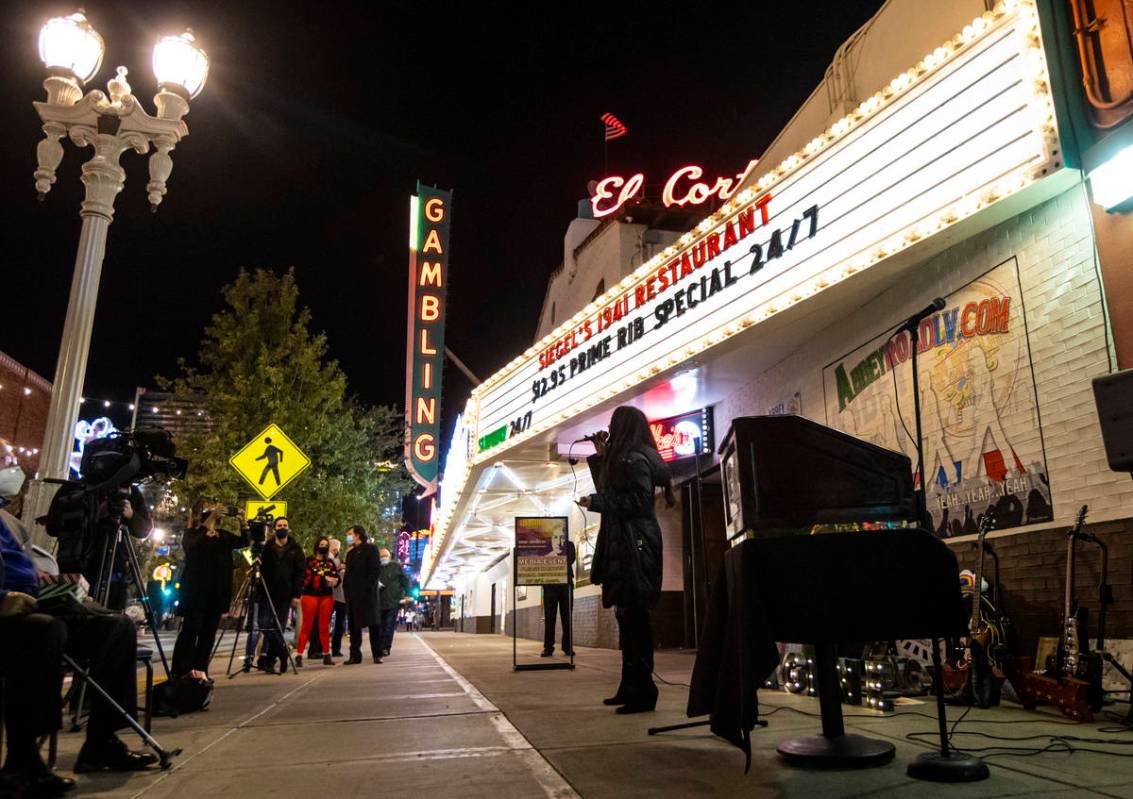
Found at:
(339, 600)
(320, 578)
(363, 564)
(206, 586)
(34, 636)
(284, 567)
(394, 588)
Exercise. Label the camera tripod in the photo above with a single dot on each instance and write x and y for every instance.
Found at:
(249, 594)
(101, 588)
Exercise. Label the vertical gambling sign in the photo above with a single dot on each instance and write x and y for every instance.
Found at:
(430, 218)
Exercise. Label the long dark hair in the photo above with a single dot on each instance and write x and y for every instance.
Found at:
(629, 432)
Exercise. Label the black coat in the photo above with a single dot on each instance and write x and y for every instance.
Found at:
(206, 582)
(360, 583)
(627, 555)
(283, 569)
(395, 585)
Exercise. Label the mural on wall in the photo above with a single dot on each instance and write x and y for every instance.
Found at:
(983, 446)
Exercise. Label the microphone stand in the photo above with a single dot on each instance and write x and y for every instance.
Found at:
(947, 764)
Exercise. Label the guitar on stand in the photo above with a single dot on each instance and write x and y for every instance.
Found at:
(975, 675)
(1062, 684)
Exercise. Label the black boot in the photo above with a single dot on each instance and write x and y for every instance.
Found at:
(643, 700)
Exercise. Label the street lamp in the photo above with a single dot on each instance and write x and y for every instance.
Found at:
(110, 123)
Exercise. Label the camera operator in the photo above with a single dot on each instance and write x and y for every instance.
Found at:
(284, 566)
(206, 585)
(33, 639)
(127, 506)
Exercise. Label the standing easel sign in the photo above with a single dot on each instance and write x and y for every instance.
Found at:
(540, 558)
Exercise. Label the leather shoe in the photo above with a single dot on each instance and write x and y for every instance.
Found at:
(49, 785)
(37, 781)
(616, 699)
(546, 653)
(377, 659)
(298, 661)
(328, 660)
(352, 662)
(112, 756)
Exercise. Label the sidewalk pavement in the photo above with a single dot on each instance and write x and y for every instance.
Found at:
(446, 714)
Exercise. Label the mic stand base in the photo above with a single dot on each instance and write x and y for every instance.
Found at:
(952, 766)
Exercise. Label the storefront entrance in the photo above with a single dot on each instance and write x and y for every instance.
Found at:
(704, 544)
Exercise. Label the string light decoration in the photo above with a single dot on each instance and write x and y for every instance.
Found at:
(1040, 107)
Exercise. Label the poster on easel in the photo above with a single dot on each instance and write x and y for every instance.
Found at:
(540, 558)
(540, 550)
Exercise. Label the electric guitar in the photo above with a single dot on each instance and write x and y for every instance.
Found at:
(1069, 662)
(976, 673)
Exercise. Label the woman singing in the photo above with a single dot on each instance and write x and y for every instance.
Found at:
(318, 599)
(627, 556)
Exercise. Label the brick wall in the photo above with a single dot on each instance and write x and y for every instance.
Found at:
(1033, 571)
(24, 400)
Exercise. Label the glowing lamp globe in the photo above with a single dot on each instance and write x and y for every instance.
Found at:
(180, 65)
(71, 45)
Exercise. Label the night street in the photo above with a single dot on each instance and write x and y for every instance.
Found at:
(723, 400)
(446, 713)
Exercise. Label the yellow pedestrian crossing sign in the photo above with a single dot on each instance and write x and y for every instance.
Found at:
(268, 507)
(270, 461)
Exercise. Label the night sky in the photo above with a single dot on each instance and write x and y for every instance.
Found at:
(314, 126)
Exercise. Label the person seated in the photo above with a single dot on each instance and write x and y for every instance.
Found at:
(33, 640)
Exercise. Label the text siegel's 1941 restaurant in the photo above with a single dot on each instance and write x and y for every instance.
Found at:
(941, 158)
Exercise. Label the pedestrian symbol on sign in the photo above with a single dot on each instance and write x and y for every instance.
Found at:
(274, 455)
(269, 461)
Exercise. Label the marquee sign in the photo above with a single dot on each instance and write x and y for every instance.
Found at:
(969, 125)
(430, 217)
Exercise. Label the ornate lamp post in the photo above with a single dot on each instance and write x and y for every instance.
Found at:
(110, 123)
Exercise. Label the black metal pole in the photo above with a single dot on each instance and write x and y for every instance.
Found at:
(921, 495)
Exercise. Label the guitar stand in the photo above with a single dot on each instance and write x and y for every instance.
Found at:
(1124, 672)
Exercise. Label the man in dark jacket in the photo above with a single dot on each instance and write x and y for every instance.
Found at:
(360, 584)
(206, 587)
(31, 658)
(394, 587)
(284, 565)
(559, 599)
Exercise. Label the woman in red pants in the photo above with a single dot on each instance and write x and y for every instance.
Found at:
(318, 600)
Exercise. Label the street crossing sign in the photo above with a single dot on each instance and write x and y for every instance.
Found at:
(274, 508)
(269, 461)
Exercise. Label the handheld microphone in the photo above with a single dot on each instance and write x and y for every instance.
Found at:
(593, 438)
(914, 320)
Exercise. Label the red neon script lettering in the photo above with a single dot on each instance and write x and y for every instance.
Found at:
(698, 193)
(603, 191)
